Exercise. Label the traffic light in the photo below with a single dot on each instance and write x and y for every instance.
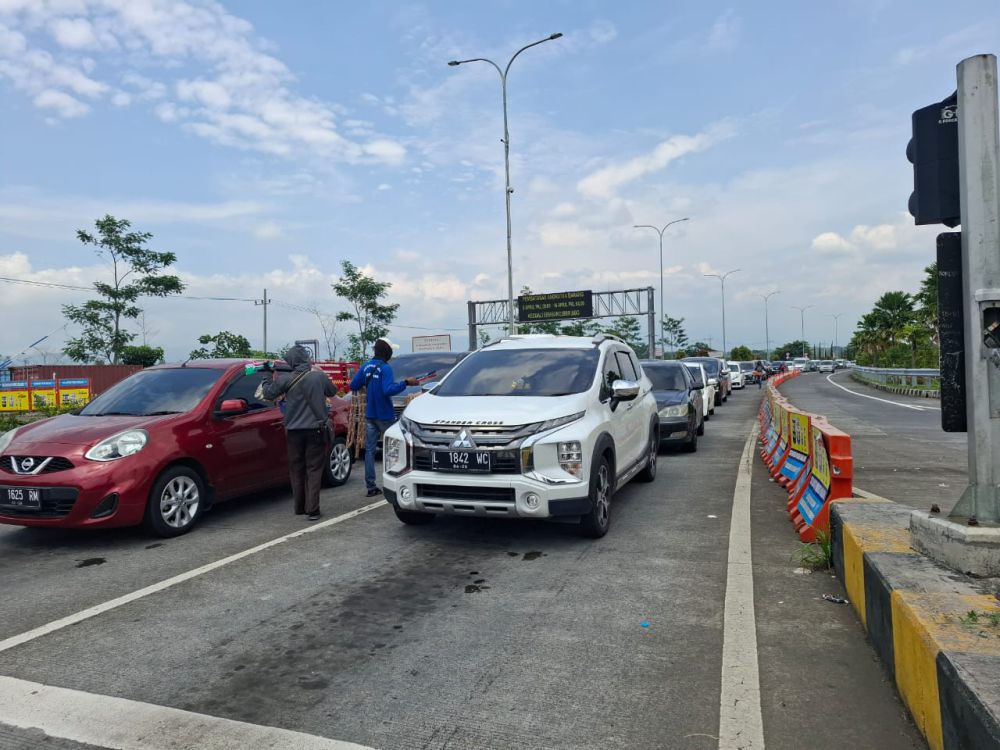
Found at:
(933, 150)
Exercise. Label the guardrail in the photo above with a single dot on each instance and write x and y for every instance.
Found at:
(906, 381)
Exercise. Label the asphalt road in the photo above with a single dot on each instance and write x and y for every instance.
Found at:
(900, 451)
(464, 634)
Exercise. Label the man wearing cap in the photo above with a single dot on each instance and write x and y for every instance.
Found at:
(376, 376)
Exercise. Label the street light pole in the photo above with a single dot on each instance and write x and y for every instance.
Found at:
(660, 232)
(802, 313)
(506, 159)
(836, 330)
(723, 278)
(767, 333)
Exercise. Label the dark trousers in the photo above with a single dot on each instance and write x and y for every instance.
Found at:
(306, 456)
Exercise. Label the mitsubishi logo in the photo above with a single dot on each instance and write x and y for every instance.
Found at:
(27, 464)
(463, 441)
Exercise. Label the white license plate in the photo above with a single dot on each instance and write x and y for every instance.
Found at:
(461, 461)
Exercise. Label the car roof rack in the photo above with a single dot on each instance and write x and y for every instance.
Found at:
(602, 337)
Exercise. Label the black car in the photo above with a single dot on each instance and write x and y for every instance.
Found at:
(679, 402)
(424, 365)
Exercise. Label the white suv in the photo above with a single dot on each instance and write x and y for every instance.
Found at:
(528, 427)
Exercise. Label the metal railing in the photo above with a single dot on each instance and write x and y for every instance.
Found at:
(924, 379)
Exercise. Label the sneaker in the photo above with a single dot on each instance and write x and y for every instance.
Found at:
(373, 491)
(300, 512)
(313, 516)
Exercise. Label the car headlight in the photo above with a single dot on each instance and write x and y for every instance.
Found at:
(406, 425)
(571, 457)
(551, 424)
(395, 456)
(118, 446)
(6, 438)
(674, 411)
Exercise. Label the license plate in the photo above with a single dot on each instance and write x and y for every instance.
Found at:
(470, 461)
(22, 498)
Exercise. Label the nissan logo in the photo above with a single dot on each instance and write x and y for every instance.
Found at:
(27, 464)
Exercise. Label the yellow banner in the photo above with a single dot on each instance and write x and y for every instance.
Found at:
(821, 462)
(14, 400)
(800, 432)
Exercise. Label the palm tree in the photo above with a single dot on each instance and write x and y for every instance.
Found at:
(893, 311)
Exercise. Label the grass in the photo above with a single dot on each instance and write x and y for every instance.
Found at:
(972, 617)
(816, 555)
(12, 420)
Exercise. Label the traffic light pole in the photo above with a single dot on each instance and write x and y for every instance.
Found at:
(979, 172)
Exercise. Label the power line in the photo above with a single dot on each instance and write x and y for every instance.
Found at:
(53, 285)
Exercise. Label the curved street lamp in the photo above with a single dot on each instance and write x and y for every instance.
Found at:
(660, 232)
(506, 156)
(802, 312)
(723, 278)
(767, 333)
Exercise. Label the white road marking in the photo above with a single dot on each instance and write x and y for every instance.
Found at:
(86, 614)
(122, 724)
(883, 400)
(740, 723)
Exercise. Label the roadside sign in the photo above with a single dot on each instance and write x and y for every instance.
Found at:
(74, 391)
(43, 393)
(436, 343)
(14, 396)
(534, 308)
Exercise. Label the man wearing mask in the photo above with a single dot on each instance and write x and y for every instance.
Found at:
(376, 376)
(304, 391)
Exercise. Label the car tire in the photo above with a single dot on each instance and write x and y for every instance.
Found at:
(712, 411)
(718, 399)
(594, 524)
(649, 473)
(692, 445)
(701, 427)
(339, 463)
(176, 502)
(414, 518)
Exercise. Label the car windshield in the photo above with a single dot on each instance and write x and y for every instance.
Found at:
(169, 391)
(826, 363)
(665, 377)
(711, 365)
(696, 374)
(522, 372)
(418, 365)
(734, 368)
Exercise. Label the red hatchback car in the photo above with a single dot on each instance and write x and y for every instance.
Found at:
(156, 448)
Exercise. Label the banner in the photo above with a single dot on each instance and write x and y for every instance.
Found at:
(816, 493)
(74, 391)
(43, 393)
(800, 432)
(14, 396)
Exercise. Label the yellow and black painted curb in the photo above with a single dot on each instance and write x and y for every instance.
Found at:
(944, 660)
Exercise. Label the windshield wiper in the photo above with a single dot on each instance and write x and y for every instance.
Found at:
(159, 413)
(111, 414)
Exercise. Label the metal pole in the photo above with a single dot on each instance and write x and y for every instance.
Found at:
(723, 278)
(506, 162)
(473, 339)
(652, 323)
(264, 302)
(660, 232)
(836, 332)
(767, 333)
(979, 178)
(802, 333)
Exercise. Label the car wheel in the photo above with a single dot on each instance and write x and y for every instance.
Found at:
(712, 411)
(649, 473)
(339, 463)
(176, 502)
(414, 518)
(692, 444)
(717, 400)
(701, 428)
(595, 523)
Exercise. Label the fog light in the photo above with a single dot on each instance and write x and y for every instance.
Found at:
(106, 507)
(532, 500)
(405, 494)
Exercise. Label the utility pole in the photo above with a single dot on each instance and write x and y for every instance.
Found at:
(652, 353)
(722, 278)
(836, 331)
(264, 302)
(802, 332)
(767, 333)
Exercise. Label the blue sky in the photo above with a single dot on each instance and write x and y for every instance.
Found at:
(264, 142)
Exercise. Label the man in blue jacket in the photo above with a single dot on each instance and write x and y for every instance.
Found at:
(376, 376)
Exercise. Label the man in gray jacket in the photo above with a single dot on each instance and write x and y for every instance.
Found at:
(304, 392)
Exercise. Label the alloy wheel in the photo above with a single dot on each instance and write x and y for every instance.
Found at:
(340, 461)
(601, 501)
(179, 502)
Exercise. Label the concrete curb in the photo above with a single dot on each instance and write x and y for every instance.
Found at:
(896, 389)
(915, 611)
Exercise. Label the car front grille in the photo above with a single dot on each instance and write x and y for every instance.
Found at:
(501, 462)
(483, 436)
(467, 494)
(48, 464)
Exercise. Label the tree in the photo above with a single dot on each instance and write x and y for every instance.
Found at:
(627, 328)
(792, 349)
(147, 356)
(699, 349)
(927, 299)
(893, 311)
(741, 354)
(331, 331)
(674, 336)
(364, 294)
(225, 345)
(102, 336)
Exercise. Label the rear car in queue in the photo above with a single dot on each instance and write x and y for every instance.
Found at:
(156, 448)
(679, 402)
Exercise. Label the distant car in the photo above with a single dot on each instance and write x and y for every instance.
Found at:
(749, 378)
(679, 401)
(718, 376)
(433, 365)
(800, 363)
(736, 374)
(700, 377)
(156, 448)
(827, 365)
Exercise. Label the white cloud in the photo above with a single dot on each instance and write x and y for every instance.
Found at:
(605, 181)
(384, 186)
(830, 241)
(74, 33)
(563, 234)
(63, 104)
(725, 32)
(386, 151)
(269, 230)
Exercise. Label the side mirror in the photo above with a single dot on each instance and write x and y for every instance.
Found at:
(428, 387)
(624, 390)
(232, 406)
(696, 386)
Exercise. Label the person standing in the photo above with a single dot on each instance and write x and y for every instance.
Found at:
(304, 391)
(376, 376)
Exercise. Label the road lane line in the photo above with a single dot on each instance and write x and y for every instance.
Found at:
(883, 400)
(86, 614)
(122, 724)
(740, 723)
